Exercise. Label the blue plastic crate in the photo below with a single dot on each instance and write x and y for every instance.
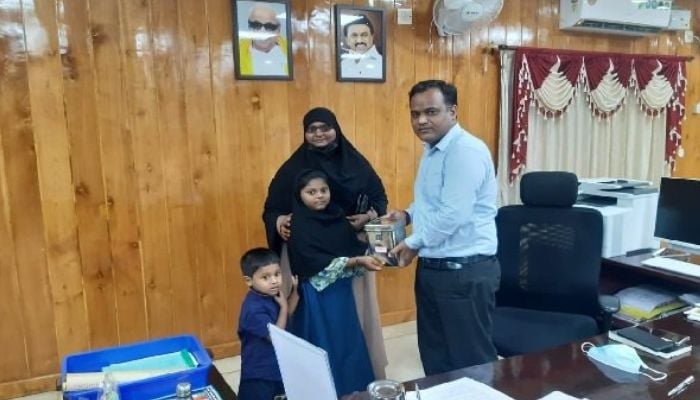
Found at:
(151, 388)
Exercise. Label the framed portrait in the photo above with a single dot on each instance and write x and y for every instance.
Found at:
(262, 45)
(360, 40)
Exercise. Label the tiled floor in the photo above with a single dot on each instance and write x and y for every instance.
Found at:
(401, 346)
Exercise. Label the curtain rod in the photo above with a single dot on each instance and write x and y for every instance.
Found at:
(511, 47)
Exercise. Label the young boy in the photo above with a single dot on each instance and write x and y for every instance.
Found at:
(264, 303)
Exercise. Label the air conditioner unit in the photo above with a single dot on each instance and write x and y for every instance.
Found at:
(618, 17)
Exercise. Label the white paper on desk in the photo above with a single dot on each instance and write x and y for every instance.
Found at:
(306, 372)
(460, 389)
(557, 395)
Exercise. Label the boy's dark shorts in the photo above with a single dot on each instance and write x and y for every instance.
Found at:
(259, 389)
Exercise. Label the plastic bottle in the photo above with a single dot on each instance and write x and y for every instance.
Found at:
(110, 390)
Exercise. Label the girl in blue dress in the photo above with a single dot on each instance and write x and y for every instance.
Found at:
(325, 254)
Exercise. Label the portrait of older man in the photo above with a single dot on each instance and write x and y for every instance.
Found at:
(262, 47)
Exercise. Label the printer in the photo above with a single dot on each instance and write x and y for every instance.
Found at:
(629, 212)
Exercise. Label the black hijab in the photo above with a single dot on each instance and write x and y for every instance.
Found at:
(319, 236)
(350, 176)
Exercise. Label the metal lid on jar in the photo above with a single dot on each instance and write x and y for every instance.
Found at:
(384, 224)
(386, 389)
(183, 389)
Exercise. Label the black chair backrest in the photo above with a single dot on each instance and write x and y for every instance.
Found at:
(550, 252)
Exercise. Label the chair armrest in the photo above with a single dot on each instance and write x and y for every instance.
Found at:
(609, 305)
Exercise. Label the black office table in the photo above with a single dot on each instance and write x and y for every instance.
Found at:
(217, 380)
(568, 369)
(623, 271)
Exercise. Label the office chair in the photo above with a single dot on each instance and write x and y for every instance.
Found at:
(550, 255)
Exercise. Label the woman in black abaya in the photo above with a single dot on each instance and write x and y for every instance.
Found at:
(357, 191)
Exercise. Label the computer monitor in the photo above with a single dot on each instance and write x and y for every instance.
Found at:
(678, 213)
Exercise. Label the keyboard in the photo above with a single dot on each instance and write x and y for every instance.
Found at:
(673, 265)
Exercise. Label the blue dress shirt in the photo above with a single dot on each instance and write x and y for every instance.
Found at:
(454, 206)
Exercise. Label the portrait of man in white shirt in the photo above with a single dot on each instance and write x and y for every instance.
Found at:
(360, 58)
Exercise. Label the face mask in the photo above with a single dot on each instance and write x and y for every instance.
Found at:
(621, 357)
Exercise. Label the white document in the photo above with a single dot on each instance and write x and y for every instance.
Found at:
(644, 297)
(460, 389)
(306, 372)
(557, 395)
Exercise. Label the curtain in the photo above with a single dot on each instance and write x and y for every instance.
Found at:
(595, 114)
(507, 194)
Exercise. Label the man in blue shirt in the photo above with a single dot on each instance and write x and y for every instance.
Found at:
(454, 235)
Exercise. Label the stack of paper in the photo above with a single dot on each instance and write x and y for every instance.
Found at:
(557, 395)
(690, 298)
(460, 389)
(175, 361)
(647, 302)
(469, 389)
(693, 314)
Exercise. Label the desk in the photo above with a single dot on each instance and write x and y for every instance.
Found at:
(217, 380)
(622, 271)
(568, 369)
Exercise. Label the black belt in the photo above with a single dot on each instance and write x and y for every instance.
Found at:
(452, 263)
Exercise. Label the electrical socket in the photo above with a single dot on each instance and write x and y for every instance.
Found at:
(405, 16)
(688, 37)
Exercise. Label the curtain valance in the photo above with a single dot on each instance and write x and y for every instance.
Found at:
(549, 79)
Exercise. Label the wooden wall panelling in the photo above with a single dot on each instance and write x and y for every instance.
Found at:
(543, 26)
(404, 75)
(227, 104)
(344, 95)
(274, 139)
(561, 39)
(385, 125)
(321, 64)
(498, 32)
(152, 315)
(253, 185)
(82, 126)
(14, 366)
(205, 171)
(475, 90)
(118, 169)
(528, 24)
(23, 203)
(52, 143)
(689, 165)
(366, 109)
(467, 93)
(178, 173)
(298, 90)
(395, 287)
(385, 133)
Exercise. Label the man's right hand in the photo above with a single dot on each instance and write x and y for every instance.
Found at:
(284, 226)
(403, 253)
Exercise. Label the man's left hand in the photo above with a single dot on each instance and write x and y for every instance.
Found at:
(404, 254)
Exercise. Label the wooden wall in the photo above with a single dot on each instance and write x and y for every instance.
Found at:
(133, 166)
